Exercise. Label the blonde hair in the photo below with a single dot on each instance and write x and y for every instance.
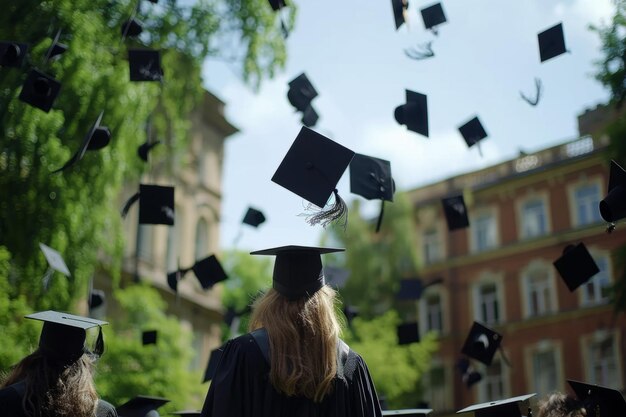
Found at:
(561, 405)
(303, 336)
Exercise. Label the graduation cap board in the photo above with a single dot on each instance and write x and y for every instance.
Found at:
(371, 178)
(613, 207)
(410, 289)
(414, 114)
(55, 260)
(131, 28)
(481, 343)
(455, 210)
(502, 408)
(301, 92)
(469, 376)
(576, 266)
(399, 11)
(277, 4)
(298, 270)
(145, 148)
(309, 116)
(12, 54)
(412, 412)
(214, 360)
(311, 169)
(145, 65)
(208, 271)
(551, 42)
(473, 132)
(408, 333)
(39, 90)
(156, 204)
(253, 217)
(140, 406)
(599, 401)
(56, 48)
(97, 138)
(149, 337)
(433, 16)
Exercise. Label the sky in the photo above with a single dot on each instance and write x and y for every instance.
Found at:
(485, 54)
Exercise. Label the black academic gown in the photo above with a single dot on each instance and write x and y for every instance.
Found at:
(241, 388)
(11, 403)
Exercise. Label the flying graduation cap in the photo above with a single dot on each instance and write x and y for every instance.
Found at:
(433, 16)
(371, 178)
(97, 138)
(301, 93)
(469, 376)
(141, 406)
(613, 207)
(311, 169)
(56, 48)
(156, 204)
(576, 266)
(309, 116)
(501, 408)
(551, 42)
(473, 132)
(55, 263)
(455, 210)
(400, 8)
(253, 217)
(12, 54)
(208, 271)
(408, 333)
(95, 297)
(145, 65)
(414, 114)
(131, 28)
(39, 90)
(599, 401)
(410, 289)
(145, 148)
(481, 343)
(277, 4)
(149, 337)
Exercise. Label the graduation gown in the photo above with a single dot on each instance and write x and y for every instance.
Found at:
(11, 403)
(241, 388)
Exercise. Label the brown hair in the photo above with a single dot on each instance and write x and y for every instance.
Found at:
(54, 389)
(561, 405)
(303, 337)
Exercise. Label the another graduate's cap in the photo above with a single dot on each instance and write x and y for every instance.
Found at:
(411, 412)
(63, 335)
(410, 289)
(145, 65)
(54, 259)
(149, 337)
(414, 114)
(599, 401)
(301, 92)
(56, 48)
(613, 207)
(502, 408)
(576, 266)
(209, 271)
(140, 406)
(371, 178)
(186, 413)
(277, 4)
(551, 42)
(12, 54)
(481, 343)
(408, 333)
(433, 15)
(309, 116)
(455, 210)
(214, 360)
(253, 217)
(131, 28)
(399, 10)
(40, 90)
(156, 204)
(313, 166)
(336, 276)
(473, 132)
(298, 270)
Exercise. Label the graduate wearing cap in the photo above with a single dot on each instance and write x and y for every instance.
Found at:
(57, 378)
(292, 363)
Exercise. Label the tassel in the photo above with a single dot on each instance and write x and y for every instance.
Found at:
(337, 213)
(129, 203)
(99, 347)
(380, 215)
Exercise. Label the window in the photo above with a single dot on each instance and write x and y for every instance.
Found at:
(492, 387)
(434, 313)
(534, 218)
(144, 241)
(488, 304)
(539, 292)
(603, 369)
(431, 246)
(436, 388)
(545, 371)
(202, 239)
(484, 228)
(586, 201)
(594, 292)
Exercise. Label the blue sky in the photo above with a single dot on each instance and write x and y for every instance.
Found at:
(484, 55)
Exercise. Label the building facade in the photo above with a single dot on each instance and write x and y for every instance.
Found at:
(499, 272)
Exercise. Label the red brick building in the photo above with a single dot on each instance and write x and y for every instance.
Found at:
(500, 272)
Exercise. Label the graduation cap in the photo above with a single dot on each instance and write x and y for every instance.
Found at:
(40, 90)
(599, 401)
(551, 42)
(277, 4)
(613, 207)
(140, 406)
(149, 337)
(468, 375)
(481, 343)
(253, 217)
(12, 54)
(455, 210)
(55, 260)
(473, 132)
(186, 413)
(371, 178)
(336, 276)
(214, 360)
(408, 333)
(144, 148)
(301, 92)
(410, 289)
(63, 335)
(97, 138)
(95, 298)
(502, 408)
(576, 266)
(433, 16)
(56, 48)
(209, 271)
(131, 28)
(309, 116)
(298, 270)
(156, 204)
(414, 114)
(411, 412)
(311, 169)
(399, 11)
(145, 65)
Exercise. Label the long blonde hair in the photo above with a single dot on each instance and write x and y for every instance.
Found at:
(303, 337)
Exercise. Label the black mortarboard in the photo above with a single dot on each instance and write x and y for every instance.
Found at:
(144, 148)
(156, 204)
(54, 259)
(613, 207)
(309, 116)
(97, 138)
(173, 278)
(131, 28)
(551, 42)
(312, 168)
(468, 374)
(414, 114)
(298, 270)
(576, 266)
(214, 360)
(410, 289)
(412, 412)
(40, 90)
(209, 271)
(277, 4)
(481, 343)
(599, 401)
(140, 406)
(187, 413)
(96, 298)
(408, 333)
(501, 408)
(145, 65)
(336, 277)
(301, 92)
(371, 178)
(399, 10)
(63, 335)
(455, 210)
(56, 48)
(149, 337)
(473, 132)
(12, 54)
(433, 15)
(253, 217)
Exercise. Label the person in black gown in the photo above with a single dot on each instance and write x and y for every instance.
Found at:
(292, 363)
(56, 379)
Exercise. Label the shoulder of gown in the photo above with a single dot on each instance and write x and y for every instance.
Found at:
(105, 409)
(11, 401)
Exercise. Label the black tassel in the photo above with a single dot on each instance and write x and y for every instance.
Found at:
(129, 203)
(98, 349)
(380, 215)
(337, 213)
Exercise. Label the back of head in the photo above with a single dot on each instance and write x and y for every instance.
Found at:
(560, 405)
